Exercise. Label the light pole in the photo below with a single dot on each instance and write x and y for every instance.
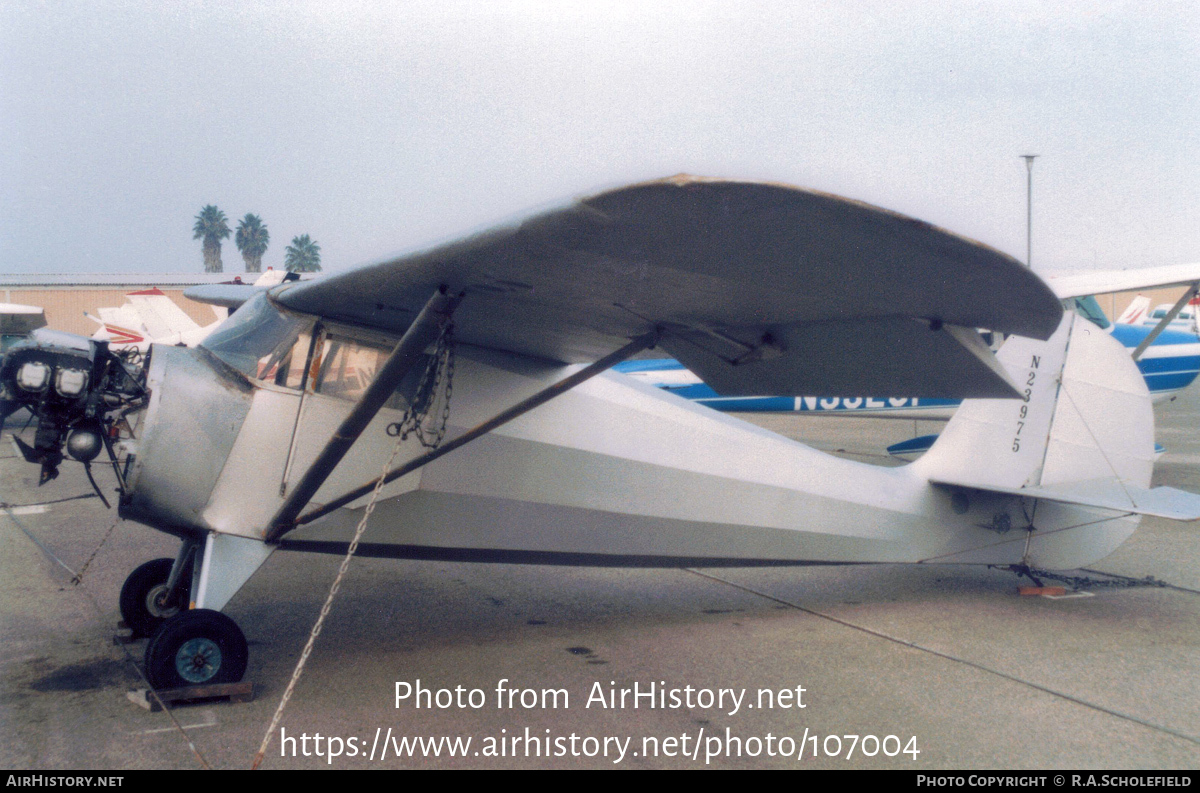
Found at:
(1029, 158)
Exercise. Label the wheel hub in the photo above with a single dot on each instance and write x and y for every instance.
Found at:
(198, 660)
(156, 602)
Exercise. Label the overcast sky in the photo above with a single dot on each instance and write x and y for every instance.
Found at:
(377, 127)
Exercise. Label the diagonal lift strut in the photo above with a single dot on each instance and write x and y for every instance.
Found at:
(424, 330)
(646, 341)
(1190, 294)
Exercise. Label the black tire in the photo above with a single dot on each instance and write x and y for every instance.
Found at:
(141, 593)
(195, 648)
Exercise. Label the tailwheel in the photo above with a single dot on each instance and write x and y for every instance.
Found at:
(197, 647)
(144, 605)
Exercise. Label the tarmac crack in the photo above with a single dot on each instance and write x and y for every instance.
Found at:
(951, 657)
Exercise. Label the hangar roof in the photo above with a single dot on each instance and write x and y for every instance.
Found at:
(35, 280)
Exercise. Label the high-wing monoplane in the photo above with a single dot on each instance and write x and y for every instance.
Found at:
(460, 390)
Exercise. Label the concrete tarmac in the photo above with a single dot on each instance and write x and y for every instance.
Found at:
(938, 667)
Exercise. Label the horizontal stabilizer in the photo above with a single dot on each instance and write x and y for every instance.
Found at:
(912, 446)
(1160, 502)
(1084, 435)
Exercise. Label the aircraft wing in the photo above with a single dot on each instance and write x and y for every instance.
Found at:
(1101, 283)
(232, 296)
(756, 287)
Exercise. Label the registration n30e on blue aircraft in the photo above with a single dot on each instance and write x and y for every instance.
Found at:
(1169, 363)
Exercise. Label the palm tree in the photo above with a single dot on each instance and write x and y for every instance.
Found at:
(303, 256)
(212, 227)
(252, 238)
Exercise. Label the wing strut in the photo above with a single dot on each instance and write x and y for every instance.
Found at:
(424, 331)
(279, 528)
(1167, 320)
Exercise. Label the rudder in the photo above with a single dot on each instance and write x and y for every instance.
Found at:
(1082, 438)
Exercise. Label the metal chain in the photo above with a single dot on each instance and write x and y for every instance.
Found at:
(6, 505)
(1079, 582)
(449, 392)
(78, 577)
(443, 343)
(333, 590)
(431, 438)
(436, 382)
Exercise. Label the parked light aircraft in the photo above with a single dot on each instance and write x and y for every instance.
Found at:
(1169, 364)
(1186, 319)
(18, 321)
(150, 316)
(292, 407)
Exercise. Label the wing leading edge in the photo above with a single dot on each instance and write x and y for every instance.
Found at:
(754, 286)
(1067, 285)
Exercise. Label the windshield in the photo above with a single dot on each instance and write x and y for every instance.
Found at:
(258, 338)
(1089, 309)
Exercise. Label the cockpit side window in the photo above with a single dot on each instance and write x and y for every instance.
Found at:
(285, 365)
(346, 366)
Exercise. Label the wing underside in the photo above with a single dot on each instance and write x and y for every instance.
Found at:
(757, 287)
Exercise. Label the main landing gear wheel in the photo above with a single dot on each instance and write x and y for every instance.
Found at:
(142, 597)
(194, 648)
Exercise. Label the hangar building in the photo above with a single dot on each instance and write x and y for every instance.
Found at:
(67, 297)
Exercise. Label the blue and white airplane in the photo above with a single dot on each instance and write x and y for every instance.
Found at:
(1187, 318)
(1169, 363)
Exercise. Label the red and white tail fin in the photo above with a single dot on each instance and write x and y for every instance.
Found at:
(1135, 312)
(118, 336)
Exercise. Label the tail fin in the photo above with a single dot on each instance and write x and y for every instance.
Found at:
(119, 335)
(1135, 312)
(1083, 435)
